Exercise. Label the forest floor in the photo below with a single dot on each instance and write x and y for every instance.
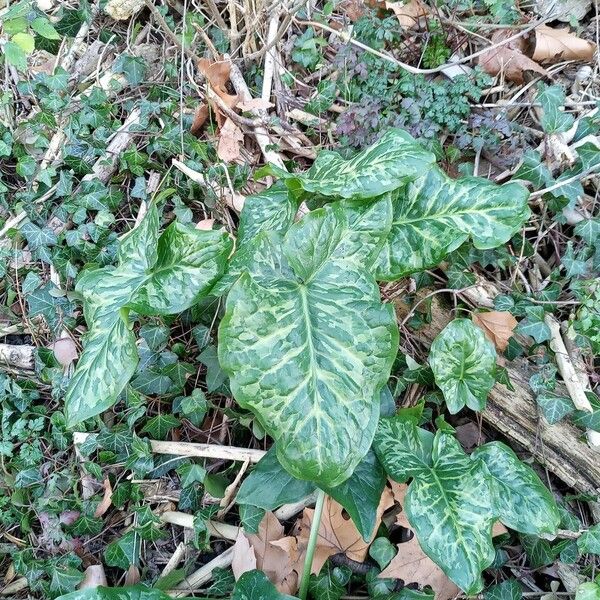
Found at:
(107, 106)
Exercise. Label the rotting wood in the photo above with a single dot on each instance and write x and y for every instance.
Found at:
(17, 357)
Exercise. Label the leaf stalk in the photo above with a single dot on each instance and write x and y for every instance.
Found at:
(312, 544)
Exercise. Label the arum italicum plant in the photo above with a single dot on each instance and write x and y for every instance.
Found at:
(309, 346)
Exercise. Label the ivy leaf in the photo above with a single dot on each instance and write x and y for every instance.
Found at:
(534, 325)
(43, 26)
(588, 591)
(133, 67)
(123, 552)
(189, 262)
(435, 214)
(539, 551)
(254, 585)
(288, 354)
(15, 56)
(507, 590)
(330, 583)
(463, 362)
(133, 592)
(521, 500)
(393, 160)
(64, 579)
(554, 408)
(449, 507)
(589, 231)
(532, 169)
(191, 474)
(159, 426)
(25, 41)
(382, 551)
(589, 541)
(553, 120)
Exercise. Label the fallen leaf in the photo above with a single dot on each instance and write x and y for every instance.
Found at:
(497, 325)
(408, 13)
(132, 576)
(217, 74)
(106, 500)
(65, 351)
(244, 559)
(565, 10)
(230, 141)
(261, 551)
(255, 104)
(205, 224)
(498, 529)
(511, 59)
(337, 532)
(553, 45)
(353, 9)
(93, 577)
(200, 117)
(412, 565)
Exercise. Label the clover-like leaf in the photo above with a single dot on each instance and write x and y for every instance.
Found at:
(392, 161)
(521, 500)
(312, 378)
(156, 275)
(435, 214)
(463, 362)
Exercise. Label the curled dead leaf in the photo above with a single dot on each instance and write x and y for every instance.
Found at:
(255, 104)
(93, 577)
(205, 224)
(498, 326)
(106, 500)
(408, 13)
(230, 141)
(553, 45)
(510, 59)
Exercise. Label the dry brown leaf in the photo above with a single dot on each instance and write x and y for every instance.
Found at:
(205, 224)
(497, 325)
(244, 559)
(510, 59)
(270, 552)
(469, 435)
(337, 532)
(106, 500)
(353, 9)
(255, 104)
(408, 13)
(65, 351)
(217, 74)
(200, 117)
(93, 576)
(412, 565)
(230, 141)
(132, 576)
(552, 45)
(498, 529)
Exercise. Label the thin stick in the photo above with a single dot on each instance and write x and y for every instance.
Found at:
(566, 367)
(312, 544)
(203, 574)
(194, 450)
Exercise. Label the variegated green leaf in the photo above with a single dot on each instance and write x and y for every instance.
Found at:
(108, 362)
(270, 212)
(403, 449)
(273, 210)
(463, 362)
(155, 277)
(392, 161)
(449, 507)
(521, 500)
(311, 377)
(188, 264)
(435, 214)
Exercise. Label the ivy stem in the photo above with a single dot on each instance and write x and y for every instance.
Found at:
(312, 544)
